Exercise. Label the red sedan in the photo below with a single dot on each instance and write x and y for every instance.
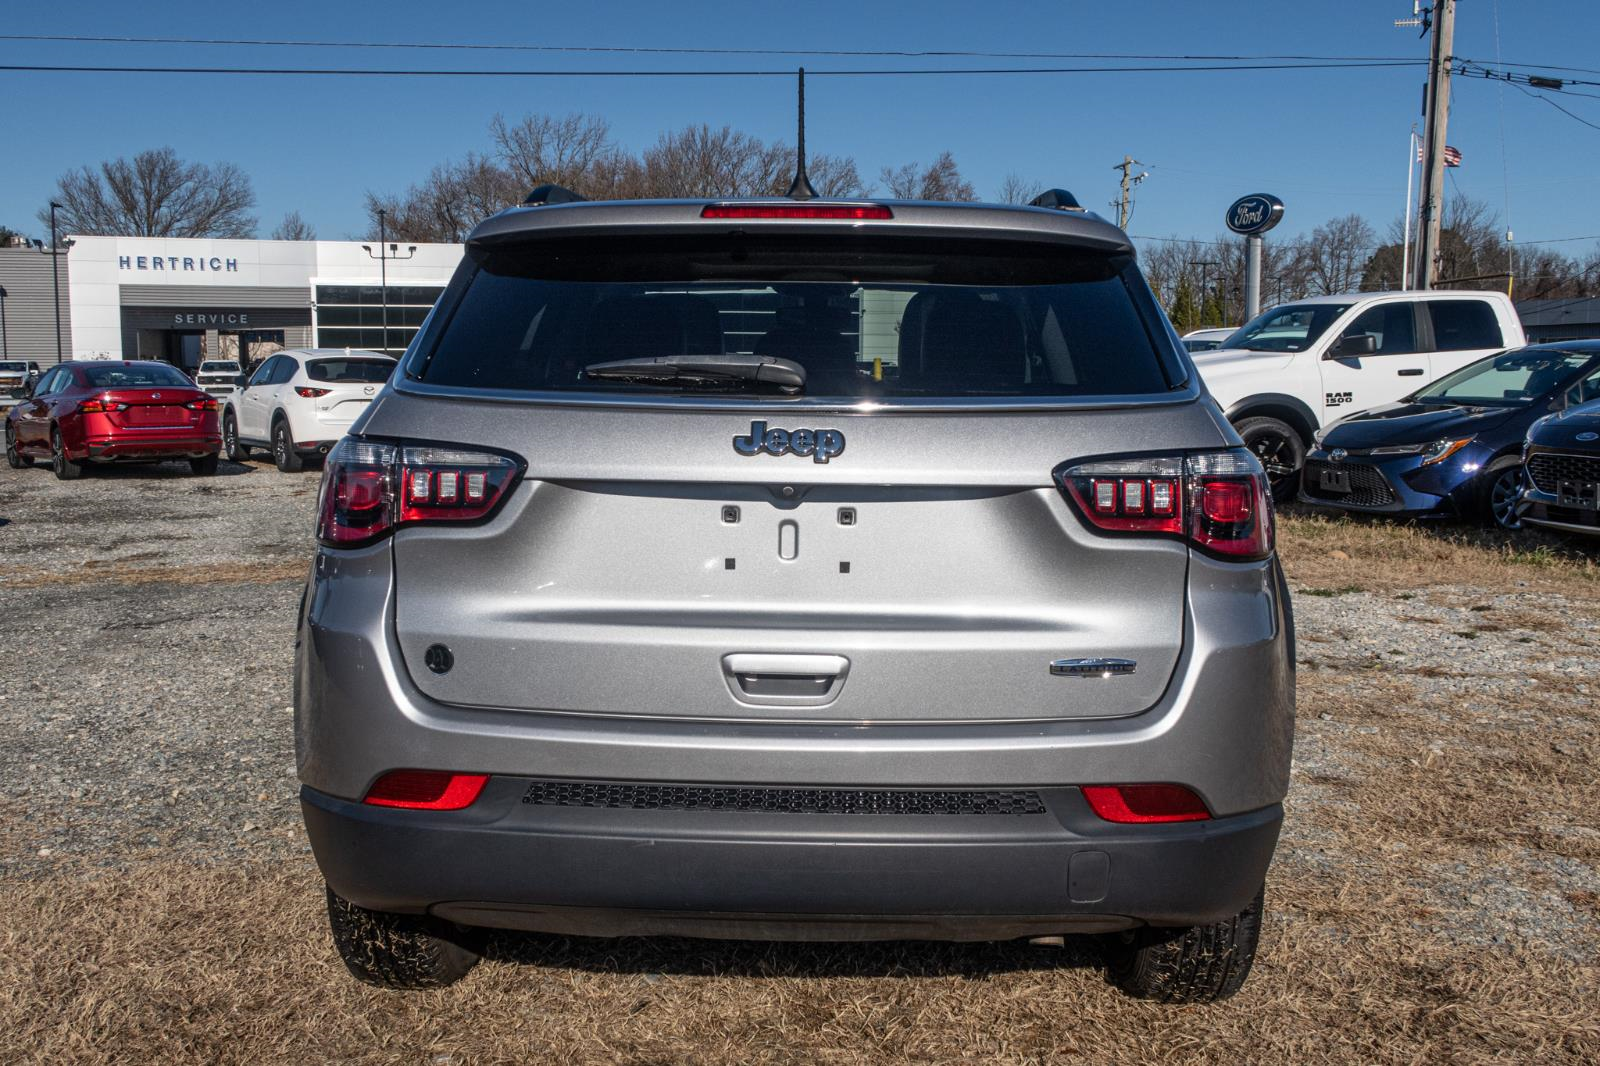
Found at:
(104, 411)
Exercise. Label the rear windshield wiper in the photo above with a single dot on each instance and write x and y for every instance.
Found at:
(705, 371)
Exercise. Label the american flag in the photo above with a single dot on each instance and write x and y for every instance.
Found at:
(1452, 156)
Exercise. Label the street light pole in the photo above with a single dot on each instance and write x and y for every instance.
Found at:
(383, 275)
(55, 276)
(5, 346)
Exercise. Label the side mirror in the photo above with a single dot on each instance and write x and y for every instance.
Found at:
(1352, 344)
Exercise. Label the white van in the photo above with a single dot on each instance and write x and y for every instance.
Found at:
(1302, 365)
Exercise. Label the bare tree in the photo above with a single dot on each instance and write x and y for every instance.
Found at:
(1337, 254)
(446, 205)
(571, 151)
(940, 180)
(1016, 189)
(701, 161)
(155, 194)
(294, 228)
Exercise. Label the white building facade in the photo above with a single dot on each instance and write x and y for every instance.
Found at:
(183, 300)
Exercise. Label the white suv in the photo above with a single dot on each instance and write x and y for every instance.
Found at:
(299, 403)
(1300, 366)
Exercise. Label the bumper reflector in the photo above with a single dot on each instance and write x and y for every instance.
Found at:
(1145, 803)
(426, 790)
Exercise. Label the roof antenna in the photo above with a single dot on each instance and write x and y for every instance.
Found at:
(800, 188)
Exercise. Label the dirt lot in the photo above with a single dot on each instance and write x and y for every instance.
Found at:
(1435, 898)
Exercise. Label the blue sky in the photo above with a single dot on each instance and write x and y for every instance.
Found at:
(1327, 142)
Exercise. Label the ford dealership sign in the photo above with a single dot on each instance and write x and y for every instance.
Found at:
(1254, 214)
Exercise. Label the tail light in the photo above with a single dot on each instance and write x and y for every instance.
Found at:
(307, 392)
(371, 488)
(1145, 803)
(100, 405)
(205, 403)
(1219, 501)
(426, 790)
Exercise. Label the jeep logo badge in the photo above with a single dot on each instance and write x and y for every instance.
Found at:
(820, 444)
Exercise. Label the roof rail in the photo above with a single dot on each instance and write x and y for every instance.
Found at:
(553, 194)
(1060, 199)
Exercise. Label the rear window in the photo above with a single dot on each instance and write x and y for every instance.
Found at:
(866, 318)
(371, 371)
(118, 375)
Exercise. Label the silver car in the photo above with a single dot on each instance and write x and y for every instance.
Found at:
(806, 570)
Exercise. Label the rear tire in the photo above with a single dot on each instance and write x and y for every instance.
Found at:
(236, 452)
(1281, 451)
(65, 468)
(1199, 964)
(283, 453)
(1501, 486)
(204, 467)
(402, 951)
(14, 458)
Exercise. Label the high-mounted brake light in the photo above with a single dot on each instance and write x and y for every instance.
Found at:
(846, 212)
(369, 488)
(1145, 803)
(1219, 501)
(426, 790)
(307, 392)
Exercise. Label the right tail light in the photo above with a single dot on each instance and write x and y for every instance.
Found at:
(371, 488)
(1220, 502)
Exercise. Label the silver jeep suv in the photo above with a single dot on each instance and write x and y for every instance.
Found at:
(796, 570)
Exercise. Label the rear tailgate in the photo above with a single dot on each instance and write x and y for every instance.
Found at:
(931, 571)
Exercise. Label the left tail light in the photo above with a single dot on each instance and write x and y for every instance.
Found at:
(100, 405)
(307, 393)
(371, 488)
(1220, 502)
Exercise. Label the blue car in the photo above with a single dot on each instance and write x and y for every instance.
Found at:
(1561, 460)
(1454, 447)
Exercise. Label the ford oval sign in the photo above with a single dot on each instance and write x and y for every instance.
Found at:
(1254, 214)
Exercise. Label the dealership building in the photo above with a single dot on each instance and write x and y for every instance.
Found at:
(186, 299)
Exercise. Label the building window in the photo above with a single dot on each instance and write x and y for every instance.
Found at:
(351, 316)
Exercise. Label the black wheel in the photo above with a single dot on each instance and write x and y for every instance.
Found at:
(1280, 450)
(1199, 964)
(66, 469)
(398, 950)
(236, 452)
(15, 459)
(1502, 487)
(204, 467)
(283, 453)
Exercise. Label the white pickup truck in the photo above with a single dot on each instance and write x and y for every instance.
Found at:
(1302, 365)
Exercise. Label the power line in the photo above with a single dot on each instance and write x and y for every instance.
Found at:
(41, 68)
(1558, 107)
(661, 50)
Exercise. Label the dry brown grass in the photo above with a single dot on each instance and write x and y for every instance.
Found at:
(1351, 553)
(173, 963)
(133, 571)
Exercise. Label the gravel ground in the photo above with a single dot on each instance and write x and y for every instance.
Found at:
(1441, 817)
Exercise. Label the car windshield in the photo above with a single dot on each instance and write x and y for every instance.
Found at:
(1291, 328)
(863, 317)
(14, 367)
(1507, 380)
(136, 375)
(219, 368)
(346, 371)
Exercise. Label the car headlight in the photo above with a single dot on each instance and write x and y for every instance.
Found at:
(1440, 450)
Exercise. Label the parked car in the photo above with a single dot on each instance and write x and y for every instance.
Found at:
(298, 403)
(817, 570)
(13, 375)
(1562, 463)
(218, 376)
(1298, 367)
(1205, 340)
(103, 411)
(1453, 447)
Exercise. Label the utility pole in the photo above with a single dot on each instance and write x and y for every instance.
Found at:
(1443, 18)
(1124, 203)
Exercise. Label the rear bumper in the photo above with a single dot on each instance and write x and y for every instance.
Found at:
(765, 875)
(110, 449)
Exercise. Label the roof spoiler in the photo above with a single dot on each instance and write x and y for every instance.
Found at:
(1060, 199)
(553, 194)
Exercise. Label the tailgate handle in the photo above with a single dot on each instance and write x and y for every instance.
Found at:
(779, 680)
